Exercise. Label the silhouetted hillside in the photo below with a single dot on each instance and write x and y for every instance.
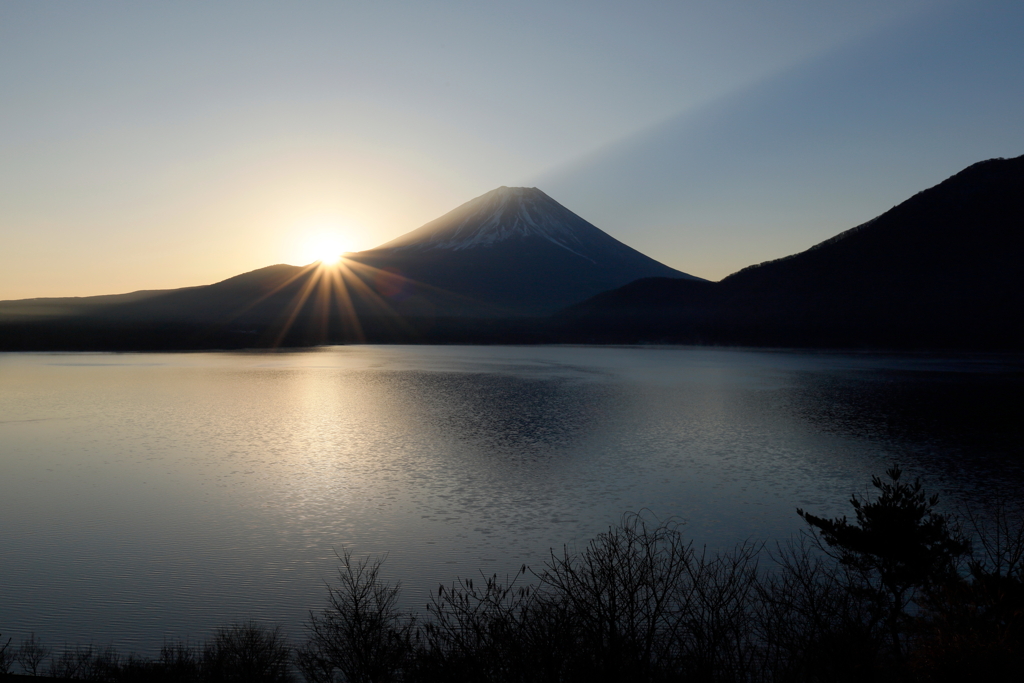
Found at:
(942, 269)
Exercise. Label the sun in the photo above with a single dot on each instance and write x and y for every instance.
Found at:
(329, 259)
(326, 249)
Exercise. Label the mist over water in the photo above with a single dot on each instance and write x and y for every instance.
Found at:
(153, 496)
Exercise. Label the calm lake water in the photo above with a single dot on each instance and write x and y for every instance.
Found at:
(153, 496)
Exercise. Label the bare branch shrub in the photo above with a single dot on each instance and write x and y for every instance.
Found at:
(810, 625)
(714, 637)
(179, 661)
(6, 656)
(247, 652)
(973, 626)
(74, 663)
(999, 536)
(361, 634)
(622, 596)
(490, 631)
(31, 654)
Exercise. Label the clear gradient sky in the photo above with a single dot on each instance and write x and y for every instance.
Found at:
(159, 145)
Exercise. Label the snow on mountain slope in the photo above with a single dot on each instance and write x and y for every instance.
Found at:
(498, 215)
(507, 213)
(515, 249)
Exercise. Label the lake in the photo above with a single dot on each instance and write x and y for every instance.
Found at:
(145, 497)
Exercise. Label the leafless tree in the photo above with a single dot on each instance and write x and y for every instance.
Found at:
(361, 634)
(6, 656)
(31, 654)
(247, 653)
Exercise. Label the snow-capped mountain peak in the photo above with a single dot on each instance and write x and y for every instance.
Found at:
(499, 215)
(511, 250)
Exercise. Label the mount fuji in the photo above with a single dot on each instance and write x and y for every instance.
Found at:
(511, 251)
(475, 273)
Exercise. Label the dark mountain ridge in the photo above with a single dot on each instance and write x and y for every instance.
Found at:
(942, 269)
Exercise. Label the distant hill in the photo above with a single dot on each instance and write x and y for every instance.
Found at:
(941, 270)
(249, 296)
(23, 309)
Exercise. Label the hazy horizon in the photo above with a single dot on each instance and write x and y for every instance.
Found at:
(156, 147)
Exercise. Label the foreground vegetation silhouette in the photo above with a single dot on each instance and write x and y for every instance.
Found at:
(901, 593)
